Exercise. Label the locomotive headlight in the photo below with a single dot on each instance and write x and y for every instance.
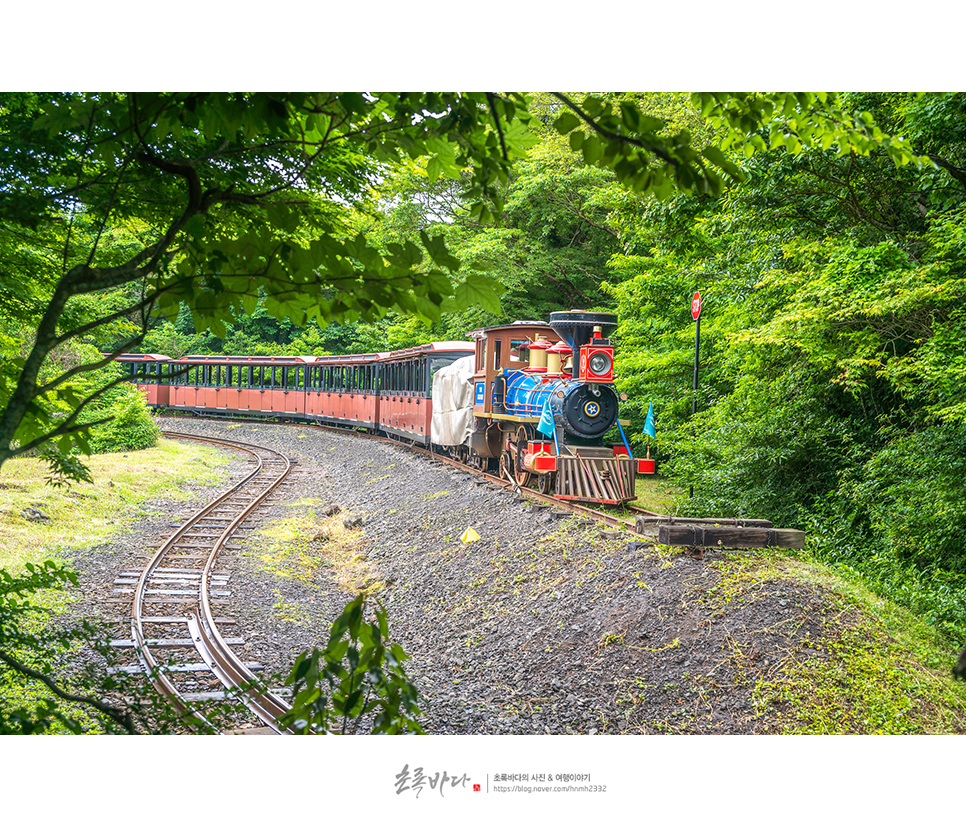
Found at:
(600, 364)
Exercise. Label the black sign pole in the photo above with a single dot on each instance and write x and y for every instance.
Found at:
(697, 341)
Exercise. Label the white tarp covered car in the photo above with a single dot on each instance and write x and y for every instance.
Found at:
(453, 403)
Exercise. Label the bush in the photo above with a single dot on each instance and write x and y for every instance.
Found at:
(131, 425)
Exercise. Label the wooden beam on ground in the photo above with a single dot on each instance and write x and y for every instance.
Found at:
(642, 521)
(728, 536)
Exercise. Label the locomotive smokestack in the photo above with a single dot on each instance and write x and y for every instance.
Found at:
(579, 327)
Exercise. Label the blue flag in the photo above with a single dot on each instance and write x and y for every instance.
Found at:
(649, 422)
(545, 426)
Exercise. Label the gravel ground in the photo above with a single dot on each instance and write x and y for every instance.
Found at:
(543, 626)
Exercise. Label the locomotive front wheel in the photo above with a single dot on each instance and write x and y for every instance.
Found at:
(506, 465)
(545, 483)
(520, 475)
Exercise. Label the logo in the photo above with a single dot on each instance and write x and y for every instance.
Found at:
(592, 409)
(418, 779)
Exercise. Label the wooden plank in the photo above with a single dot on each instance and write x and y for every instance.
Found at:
(721, 536)
(642, 521)
(125, 620)
(174, 592)
(171, 643)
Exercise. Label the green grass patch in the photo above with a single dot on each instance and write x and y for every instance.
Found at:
(657, 493)
(302, 547)
(82, 515)
(876, 667)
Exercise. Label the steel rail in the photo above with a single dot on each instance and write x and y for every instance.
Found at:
(229, 669)
(569, 506)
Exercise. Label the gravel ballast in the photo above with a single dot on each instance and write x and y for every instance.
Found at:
(543, 625)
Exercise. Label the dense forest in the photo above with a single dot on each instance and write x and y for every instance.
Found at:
(833, 365)
(826, 234)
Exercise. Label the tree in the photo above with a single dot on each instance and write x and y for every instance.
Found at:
(218, 200)
(832, 389)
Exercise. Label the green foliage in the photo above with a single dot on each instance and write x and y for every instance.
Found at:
(832, 371)
(754, 122)
(128, 422)
(120, 208)
(47, 688)
(356, 677)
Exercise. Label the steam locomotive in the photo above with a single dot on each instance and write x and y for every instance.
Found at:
(508, 401)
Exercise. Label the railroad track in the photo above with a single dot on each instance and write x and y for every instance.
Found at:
(693, 532)
(509, 484)
(172, 609)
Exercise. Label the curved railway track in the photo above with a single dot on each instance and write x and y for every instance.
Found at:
(172, 607)
(503, 481)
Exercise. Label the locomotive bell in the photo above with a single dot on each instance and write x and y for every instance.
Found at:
(576, 327)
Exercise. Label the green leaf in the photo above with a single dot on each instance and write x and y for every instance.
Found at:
(566, 122)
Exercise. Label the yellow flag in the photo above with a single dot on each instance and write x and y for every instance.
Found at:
(469, 536)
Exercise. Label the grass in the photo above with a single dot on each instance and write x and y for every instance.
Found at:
(879, 668)
(82, 515)
(300, 547)
(654, 493)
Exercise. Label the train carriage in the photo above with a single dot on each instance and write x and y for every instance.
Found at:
(344, 390)
(150, 374)
(406, 387)
(532, 400)
(269, 385)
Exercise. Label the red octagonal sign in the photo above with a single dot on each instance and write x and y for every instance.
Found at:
(696, 306)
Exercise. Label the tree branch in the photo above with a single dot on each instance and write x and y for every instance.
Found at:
(617, 137)
(120, 717)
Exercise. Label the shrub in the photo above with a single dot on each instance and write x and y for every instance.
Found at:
(131, 425)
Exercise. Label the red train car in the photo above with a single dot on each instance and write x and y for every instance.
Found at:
(388, 392)
(406, 387)
(344, 390)
(269, 385)
(150, 372)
